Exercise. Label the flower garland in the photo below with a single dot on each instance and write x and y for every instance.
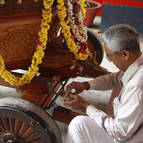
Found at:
(79, 30)
(80, 54)
(38, 55)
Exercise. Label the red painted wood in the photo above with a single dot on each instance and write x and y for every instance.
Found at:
(136, 3)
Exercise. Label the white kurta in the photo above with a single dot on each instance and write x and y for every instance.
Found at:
(128, 111)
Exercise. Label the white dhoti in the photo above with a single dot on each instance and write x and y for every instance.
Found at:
(83, 129)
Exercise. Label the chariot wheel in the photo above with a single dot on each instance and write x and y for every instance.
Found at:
(94, 44)
(24, 122)
(91, 67)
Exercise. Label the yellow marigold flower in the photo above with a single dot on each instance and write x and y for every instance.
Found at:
(44, 30)
(59, 7)
(59, 1)
(39, 54)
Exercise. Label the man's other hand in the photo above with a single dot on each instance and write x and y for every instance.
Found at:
(76, 102)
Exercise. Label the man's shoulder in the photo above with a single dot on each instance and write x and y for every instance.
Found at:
(137, 78)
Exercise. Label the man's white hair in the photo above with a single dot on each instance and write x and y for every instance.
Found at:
(120, 37)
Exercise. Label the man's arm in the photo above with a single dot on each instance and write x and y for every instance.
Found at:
(127, 115)
(106, 82)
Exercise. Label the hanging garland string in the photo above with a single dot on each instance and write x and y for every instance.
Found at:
(79, 30)
(66, 30)
(41, 43)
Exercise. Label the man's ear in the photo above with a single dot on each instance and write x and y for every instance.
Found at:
(125, 54)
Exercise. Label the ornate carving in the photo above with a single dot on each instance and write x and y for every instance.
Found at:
(8, 6)
(18, 42)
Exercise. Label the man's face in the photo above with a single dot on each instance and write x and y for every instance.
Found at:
(116, 58)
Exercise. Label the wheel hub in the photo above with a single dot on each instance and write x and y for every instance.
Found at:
(10, 138)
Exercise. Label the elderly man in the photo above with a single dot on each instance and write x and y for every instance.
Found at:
(121, 44)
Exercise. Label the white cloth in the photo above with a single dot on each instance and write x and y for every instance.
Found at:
(83, 129)
(128, 108)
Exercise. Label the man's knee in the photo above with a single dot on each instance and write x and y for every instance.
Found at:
(79, 122)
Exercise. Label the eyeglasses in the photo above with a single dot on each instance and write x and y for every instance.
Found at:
(109, 56)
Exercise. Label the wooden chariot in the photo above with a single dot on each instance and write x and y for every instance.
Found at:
(24, 119)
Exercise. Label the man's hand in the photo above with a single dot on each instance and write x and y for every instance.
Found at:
(76, 102)
(78, 87)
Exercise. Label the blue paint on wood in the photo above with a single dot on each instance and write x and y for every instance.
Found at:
(117, 14)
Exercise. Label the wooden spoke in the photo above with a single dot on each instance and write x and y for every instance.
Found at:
(32, 137)
(28, 132)
(17, 126)
(11, 124)
(23, 129)
(5, 123)
(2, 128)
(20, 129)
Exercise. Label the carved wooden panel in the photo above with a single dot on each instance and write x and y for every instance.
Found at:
(9, 6)
(18, 33)
(17, 39)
